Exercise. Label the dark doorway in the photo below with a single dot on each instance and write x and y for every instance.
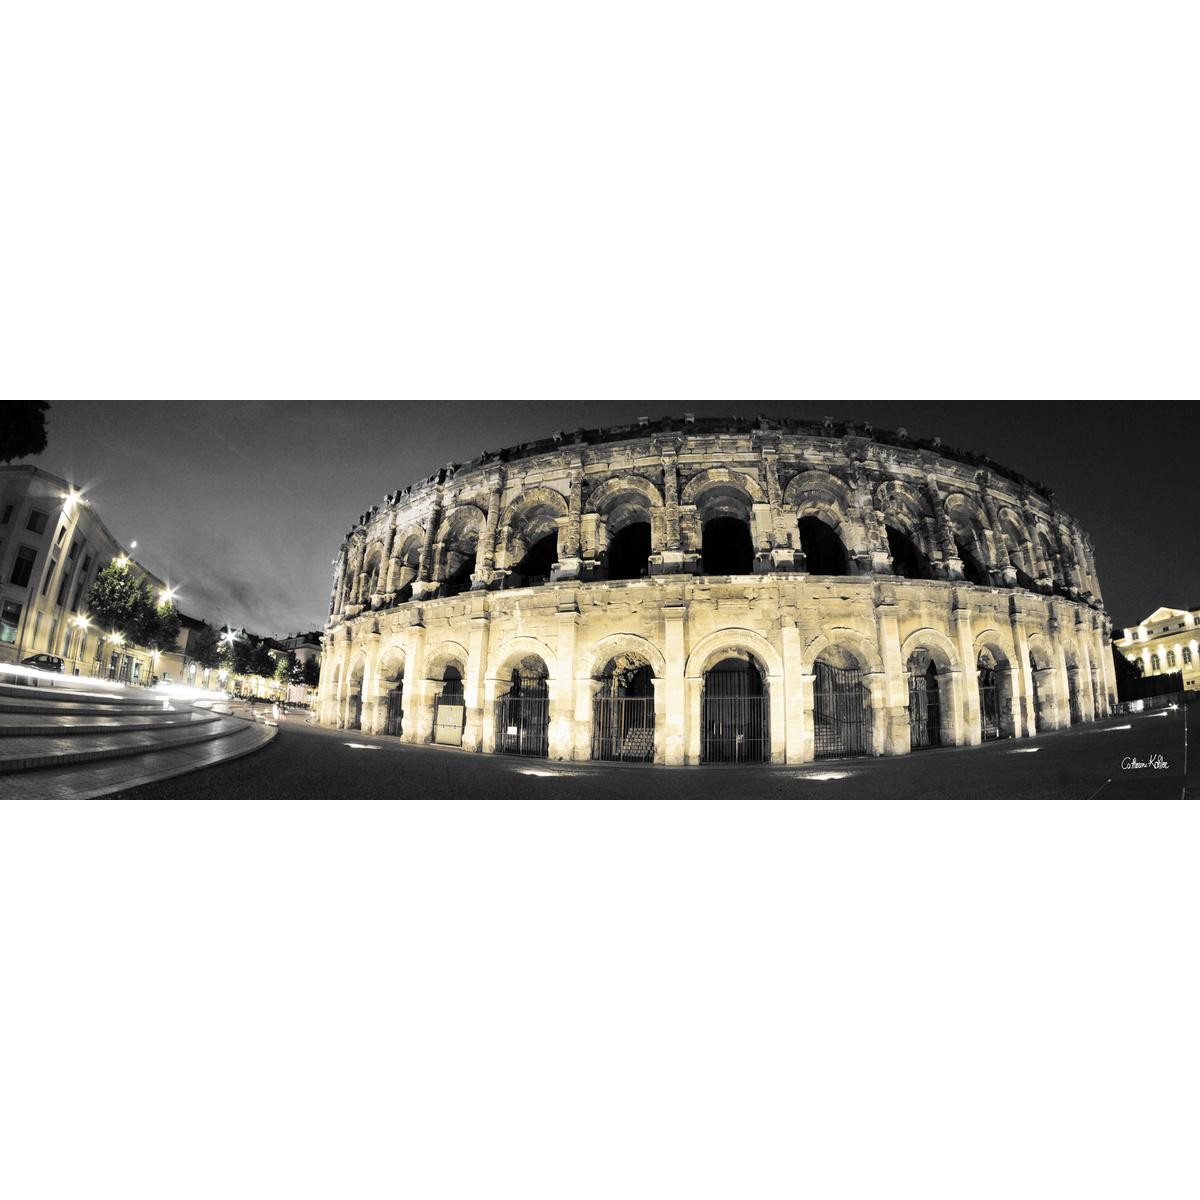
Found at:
(459, 580)
(523, 716)
(907, 561)
(534, 568)
(924, 708)
(989, 699)
(824, 553)
(393, 724)
(623, 716)
(734, 715)
(629, 552)
(727, 548)
(972, 571)
(841, 712)
(449, 709)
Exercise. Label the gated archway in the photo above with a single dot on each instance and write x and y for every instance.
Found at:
(449, 709)
(393, 721)
(841, 707)
(735, 712)
(924, 702)
(354, 698)
(623, 712)
(523, 713)
(989, 696)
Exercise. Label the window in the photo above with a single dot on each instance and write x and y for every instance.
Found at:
(49, 576)
(62, 589)
(78, 596)
(61, 530)
(1134, 636)
(1170, 659)
(10, 618)
(87, 563)
(37, 624)
(74, 549)
(23, 567)
(37, 522)
(1187, 656)
(7, 514)
(1154, 663)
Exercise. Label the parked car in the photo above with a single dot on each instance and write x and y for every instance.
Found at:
(44, 662)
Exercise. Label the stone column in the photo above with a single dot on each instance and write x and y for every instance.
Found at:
(387, 564)
(674, 725)
(793, 694)
(562, 710)
(569, 557)
(1002, 566)
(423, 585)
(1062, 709)
(785, 530)
(369, 716)
(672, 549)
(960, 625)
(761, 519)
(1108, 668)
(1087, 684)
(896, 738)
(485, 552)
(951, 563)
(473, 687)
(1021, 675)
(414, 676)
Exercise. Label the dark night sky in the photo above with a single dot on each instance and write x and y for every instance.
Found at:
(244, 504)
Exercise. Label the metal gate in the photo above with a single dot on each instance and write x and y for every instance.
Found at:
(989, 703)
(924, 709)
(523, 719)
(393, 724)
(1039, 719)
(841, 712)
(623, 728)
(734, 717)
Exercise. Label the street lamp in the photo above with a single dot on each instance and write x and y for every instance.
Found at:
(167, 594)
(81, 623)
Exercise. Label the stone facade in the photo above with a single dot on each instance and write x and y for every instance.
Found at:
(840, 566)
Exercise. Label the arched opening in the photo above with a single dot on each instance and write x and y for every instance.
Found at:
(995, 717)
(628, 554)
(391, 693)
(734, 712)
(623, 711)
(354, 701)
(534, 566)
(907, 560)
(972, 571)
(1042, 696)
(824, 551)
(523, 713)
(458, 579)
(449, 708)
(924, 702)
(841, 706)
(459, 537)
(726, 547)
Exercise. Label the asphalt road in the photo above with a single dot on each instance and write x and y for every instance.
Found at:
(309, 762)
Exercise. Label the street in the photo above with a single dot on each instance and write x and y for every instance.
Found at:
(1087, 761)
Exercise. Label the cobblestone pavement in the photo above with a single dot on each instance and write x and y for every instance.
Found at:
(309, 762)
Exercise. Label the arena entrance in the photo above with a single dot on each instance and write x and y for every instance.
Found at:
(523, 715)
(924, 703)
(734, 713)
(841, 708)
(449, 709)
(623, 712)
(393, 722)
(989, 696)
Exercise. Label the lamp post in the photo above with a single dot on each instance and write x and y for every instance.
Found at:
(81, 624)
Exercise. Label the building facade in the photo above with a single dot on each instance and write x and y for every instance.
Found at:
(1167, 640)
(53, 544)
(716, 591)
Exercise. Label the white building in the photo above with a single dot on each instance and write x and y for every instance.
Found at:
(1167, 640)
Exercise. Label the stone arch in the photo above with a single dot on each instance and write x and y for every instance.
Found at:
(943, 651)
(1013, 532)
(969, 526)
(505, 657)
(356, 689)
(458, 539)
(935, 647)
(406, 552)
(625, 643)
(629, 511)
(443, 655)
(529, 536)
(391, 667)
(609, 494)
(860, 645)
(823, 487)
(722, 642)
(723, 479)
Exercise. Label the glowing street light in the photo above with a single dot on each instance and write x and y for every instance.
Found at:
(167, 594)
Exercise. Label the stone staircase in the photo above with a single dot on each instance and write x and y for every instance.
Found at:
(71, 742)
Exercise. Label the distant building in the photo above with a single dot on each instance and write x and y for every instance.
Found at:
(53, 544)
(1166, 641)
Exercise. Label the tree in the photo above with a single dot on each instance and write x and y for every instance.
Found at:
(22, 428)
(284, 666)
(116, 599)
(206, 647)
(312, 673)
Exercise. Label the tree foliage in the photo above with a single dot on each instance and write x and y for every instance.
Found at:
(22, 428)
(311, 672)
(284, 666)
(116, 599)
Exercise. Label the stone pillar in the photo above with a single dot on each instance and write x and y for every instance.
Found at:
(1062, 709)
(952, 564)
(960, 625)
(485, 552)
(1001, 568)
(562, 708)
(586, 689)
(785, 530)
(569, 557)
(894, 716)
(673, 551)
(473, 687)
(414, 677)
(386, 565)
(423, 585)
(792, 717)
(674, 703)
(368, 717)
(1108, 669)
(1087, 695)
(761, 519)
(1021, 675)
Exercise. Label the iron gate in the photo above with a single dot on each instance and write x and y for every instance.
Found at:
(623, 728)
(924, 709)
(394, 721)
(841, 712)
(1039, 719)
(734, 717)
(989, 703)
(449, 718)
(523, 719)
